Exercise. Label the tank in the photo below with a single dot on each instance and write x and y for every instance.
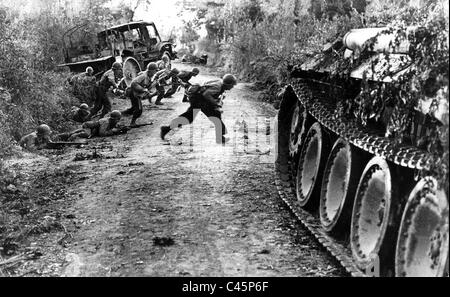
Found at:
(355, 162)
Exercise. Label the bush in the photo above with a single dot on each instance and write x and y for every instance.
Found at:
(264, 45)
(32, 92)
(263, 50)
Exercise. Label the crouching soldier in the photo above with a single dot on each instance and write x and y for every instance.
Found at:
(161, 80)
(139, 90)
(101, 128)
(208, 99)
(164, 63)
(82, 77)
(182, 79)
(107, 81)
(81, 114)
(37, 140)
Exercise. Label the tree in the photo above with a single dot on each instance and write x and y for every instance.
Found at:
(130, 7)
(189, 35)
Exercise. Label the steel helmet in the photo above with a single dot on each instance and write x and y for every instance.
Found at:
(152, 66)
(116, 115)
(174, 71)
(43, 130)
(230, 79)
(196, 70)
(84, 106)
(89, 70)
(117, 66)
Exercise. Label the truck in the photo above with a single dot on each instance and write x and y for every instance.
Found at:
(134, 44)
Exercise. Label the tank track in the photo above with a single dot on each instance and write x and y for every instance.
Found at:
(312, 96)
(314, 100)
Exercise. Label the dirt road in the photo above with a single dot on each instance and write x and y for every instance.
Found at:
(135, 205)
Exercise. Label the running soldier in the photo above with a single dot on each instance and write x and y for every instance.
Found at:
(182, 79)
(139, 90)
(209, 100)
(108, 80)
(161, 80)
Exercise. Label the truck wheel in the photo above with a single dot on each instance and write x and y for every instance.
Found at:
(131, 70)
(166, 54)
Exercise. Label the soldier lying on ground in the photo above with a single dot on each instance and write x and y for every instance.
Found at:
(80, 114)
(161, 79)
(107, 81)
(37, 140)
(182, 79)
(101, 128)
(208, 99)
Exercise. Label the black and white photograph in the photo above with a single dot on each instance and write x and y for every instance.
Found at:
(222, 145)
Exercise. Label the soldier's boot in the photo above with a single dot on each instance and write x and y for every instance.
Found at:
(164, 131)
(128, 112)
(151, 95)
(133, 122)
(225, 139)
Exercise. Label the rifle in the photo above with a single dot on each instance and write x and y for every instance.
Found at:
(60, 144)
(125, 129)
(140, 125)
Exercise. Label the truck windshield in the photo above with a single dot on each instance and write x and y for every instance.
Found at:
(152, 33)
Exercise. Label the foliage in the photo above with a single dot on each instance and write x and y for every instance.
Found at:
(264, 50)
(423, 88)
(32, 93)
(34, 89)
(189, 36)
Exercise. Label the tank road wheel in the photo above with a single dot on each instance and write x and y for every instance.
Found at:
(298, 129)
(311, 163)
(372, 211)
(131, 69)
(422, 246)
(339, 184)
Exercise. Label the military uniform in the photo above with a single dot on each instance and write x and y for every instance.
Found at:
(80, 115)
(161, 80)
(136, 93)
(32, 141)
(101, 128)
(102, 101)
(163, 65)
(208, 99)
(181, 79)
(83, 86)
